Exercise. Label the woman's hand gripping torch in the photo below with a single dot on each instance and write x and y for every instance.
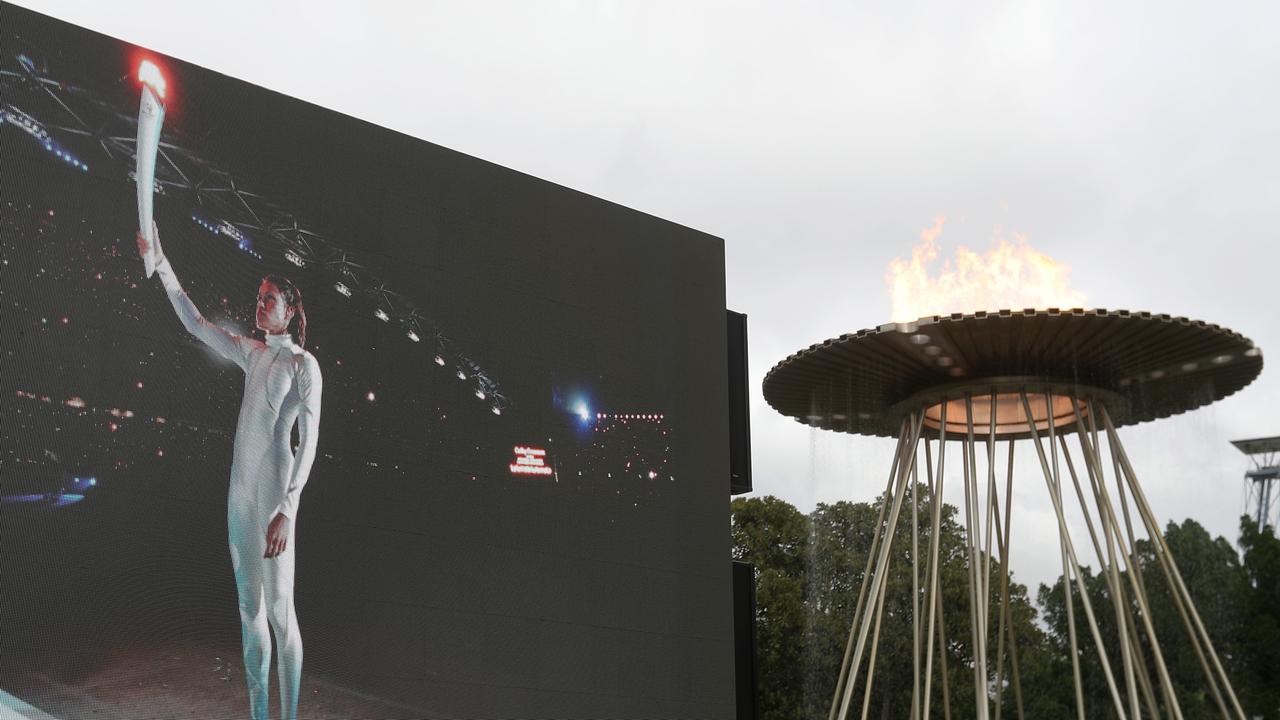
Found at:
(150, 119)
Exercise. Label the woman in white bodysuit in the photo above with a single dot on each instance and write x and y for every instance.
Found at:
(282, 386)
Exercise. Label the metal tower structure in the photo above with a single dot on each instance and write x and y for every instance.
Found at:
(1262, 481)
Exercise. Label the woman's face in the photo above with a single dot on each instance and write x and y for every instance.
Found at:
(273, 313)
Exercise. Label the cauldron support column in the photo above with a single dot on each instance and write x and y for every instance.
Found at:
(1177, 588)
(1053, 480)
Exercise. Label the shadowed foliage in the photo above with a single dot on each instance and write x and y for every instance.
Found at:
(810, 571)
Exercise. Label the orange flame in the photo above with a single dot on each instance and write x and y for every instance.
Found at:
(1010, 274)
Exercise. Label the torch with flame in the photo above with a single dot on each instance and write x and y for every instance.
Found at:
(150, 120)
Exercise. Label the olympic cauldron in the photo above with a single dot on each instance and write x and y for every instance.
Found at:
(1033, 378)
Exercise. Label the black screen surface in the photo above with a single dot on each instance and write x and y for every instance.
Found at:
(516, 506)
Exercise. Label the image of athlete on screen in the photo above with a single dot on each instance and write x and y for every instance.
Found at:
(282, 386)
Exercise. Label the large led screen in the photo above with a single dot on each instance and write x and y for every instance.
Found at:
(359, 425)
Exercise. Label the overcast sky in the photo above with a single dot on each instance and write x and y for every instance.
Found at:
(1139, 144)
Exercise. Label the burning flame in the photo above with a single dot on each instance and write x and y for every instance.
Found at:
(1010, 274)
(150, 74)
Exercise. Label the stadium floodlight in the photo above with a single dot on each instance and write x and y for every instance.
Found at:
(497, 402)
(150, 120)
(225, 227)
(156, 161)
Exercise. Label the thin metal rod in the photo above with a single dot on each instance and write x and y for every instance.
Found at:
(1071, 630)
(1140, 589)
(1004, 613)
(1162, 672)
(1005, 622)
(1130, 636)
(1005, 541)
(1073, 568)
(875, 651)
(915, 590)
(973, 544)
(1195, 643)
(1075, 481)
(1106, 562)
(1144, 607)
(942, 659)
(875, 637)
(866, 574)
(883, 561)
(1144, 674)
(1067, 600)
(991, 493)
(1106, 518)
(1140, 669)
(1162, 550)
(935, 532)
(1050, 477)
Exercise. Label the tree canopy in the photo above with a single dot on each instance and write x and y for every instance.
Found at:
(809, 573)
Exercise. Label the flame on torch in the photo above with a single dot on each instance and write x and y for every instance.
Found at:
(1009, 275)
(149, 74)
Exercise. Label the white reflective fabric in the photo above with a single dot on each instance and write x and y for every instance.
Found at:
(282, 386)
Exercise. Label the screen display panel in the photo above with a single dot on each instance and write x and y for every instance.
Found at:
(358, 427)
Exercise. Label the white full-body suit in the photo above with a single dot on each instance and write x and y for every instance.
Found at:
(282, 385)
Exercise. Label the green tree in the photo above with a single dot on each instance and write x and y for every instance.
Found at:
(810, 572)
(1261, 646)
(842, 536)
(1219, 588)
(772, 535)
(1211, 570)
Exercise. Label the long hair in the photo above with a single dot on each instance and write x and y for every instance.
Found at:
(293, 298)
